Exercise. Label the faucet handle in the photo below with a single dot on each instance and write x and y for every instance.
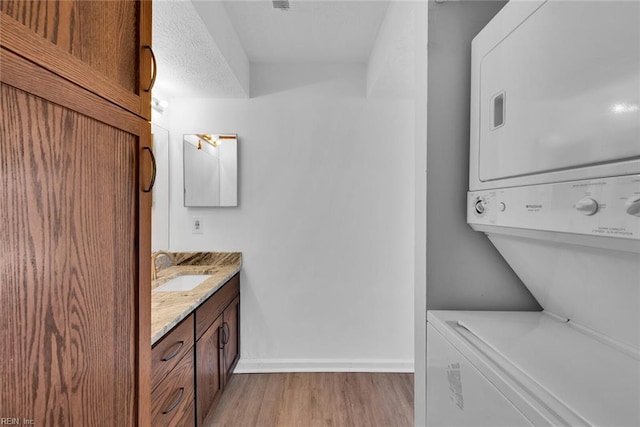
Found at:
(154, 256)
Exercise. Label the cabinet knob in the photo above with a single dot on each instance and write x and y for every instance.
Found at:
(633, 205)
(586, 206)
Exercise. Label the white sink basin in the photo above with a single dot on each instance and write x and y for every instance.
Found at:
(182, 283)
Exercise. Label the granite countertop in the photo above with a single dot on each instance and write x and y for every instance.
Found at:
(169, 308)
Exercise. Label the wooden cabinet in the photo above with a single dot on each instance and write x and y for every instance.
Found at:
(217, 346)
(231, 337)
(167, 352)
(75, 170)
(209, 370)
(173, 362)
(102, 45)
(212, 334)
(172, 400)
(213, 307)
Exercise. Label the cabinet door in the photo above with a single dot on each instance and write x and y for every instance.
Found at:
(102, 45)
(231, 332)
(209, 370)
(74, 295)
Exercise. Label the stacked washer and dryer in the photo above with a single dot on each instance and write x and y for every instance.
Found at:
(555, 185)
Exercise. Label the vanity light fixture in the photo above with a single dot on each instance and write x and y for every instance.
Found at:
(208, 138)
(159, 104)
(213, 139)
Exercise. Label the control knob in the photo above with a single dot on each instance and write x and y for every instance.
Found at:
(633, 205)
(586, 206)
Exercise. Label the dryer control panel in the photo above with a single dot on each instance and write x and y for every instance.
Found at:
(600, 207)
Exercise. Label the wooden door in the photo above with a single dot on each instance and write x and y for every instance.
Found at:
(102, 45)
(209, 370)
(231, 327)
(74, 271)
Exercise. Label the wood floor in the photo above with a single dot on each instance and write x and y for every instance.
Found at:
(316, 399)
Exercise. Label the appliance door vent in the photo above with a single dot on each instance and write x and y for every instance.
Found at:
(281, 4)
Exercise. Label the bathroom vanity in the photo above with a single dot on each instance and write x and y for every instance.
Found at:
(195, 317)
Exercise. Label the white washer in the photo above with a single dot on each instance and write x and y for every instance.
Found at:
(577, 362)
(555, 185)
(526, 368)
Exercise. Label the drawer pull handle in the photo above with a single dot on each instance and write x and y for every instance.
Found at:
(153, 175)
(155, 69)
(174, 353)
(175, 403)
(226, 334)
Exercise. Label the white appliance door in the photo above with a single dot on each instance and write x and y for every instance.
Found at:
(458, 395)
(546, 366)
(562, 90)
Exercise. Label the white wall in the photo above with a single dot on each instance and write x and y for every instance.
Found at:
(391, 65)
(397, 68)
(160, 195)
(325, 219)
(420, 14)
(464, 270)
(160, 206)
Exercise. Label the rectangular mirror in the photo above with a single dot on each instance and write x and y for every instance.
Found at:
(210, 170)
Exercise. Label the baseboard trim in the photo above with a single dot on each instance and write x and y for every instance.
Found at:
(254, 366)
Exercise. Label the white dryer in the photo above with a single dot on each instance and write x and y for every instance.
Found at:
(555, 185)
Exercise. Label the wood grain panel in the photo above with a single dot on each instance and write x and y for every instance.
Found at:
(143, 335)
(69, 266)
(30, 78)
(209, 371)
(231, 319)
(188, 416)
(212, 308)
(145, 67)
(316, 399)
(168, 351)
(102, 34)
(99, 45)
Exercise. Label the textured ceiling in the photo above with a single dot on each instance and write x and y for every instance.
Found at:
(190, 63)
(310, 31)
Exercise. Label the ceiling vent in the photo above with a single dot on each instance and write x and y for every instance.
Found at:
(281, 4)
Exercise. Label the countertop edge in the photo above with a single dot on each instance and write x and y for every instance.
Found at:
(170, 325)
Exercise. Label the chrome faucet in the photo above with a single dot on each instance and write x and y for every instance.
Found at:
(154, 272)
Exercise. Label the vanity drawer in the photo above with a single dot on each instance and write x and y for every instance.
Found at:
(173, 398)
(188, 417)
(209, 311)
(169, 350)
